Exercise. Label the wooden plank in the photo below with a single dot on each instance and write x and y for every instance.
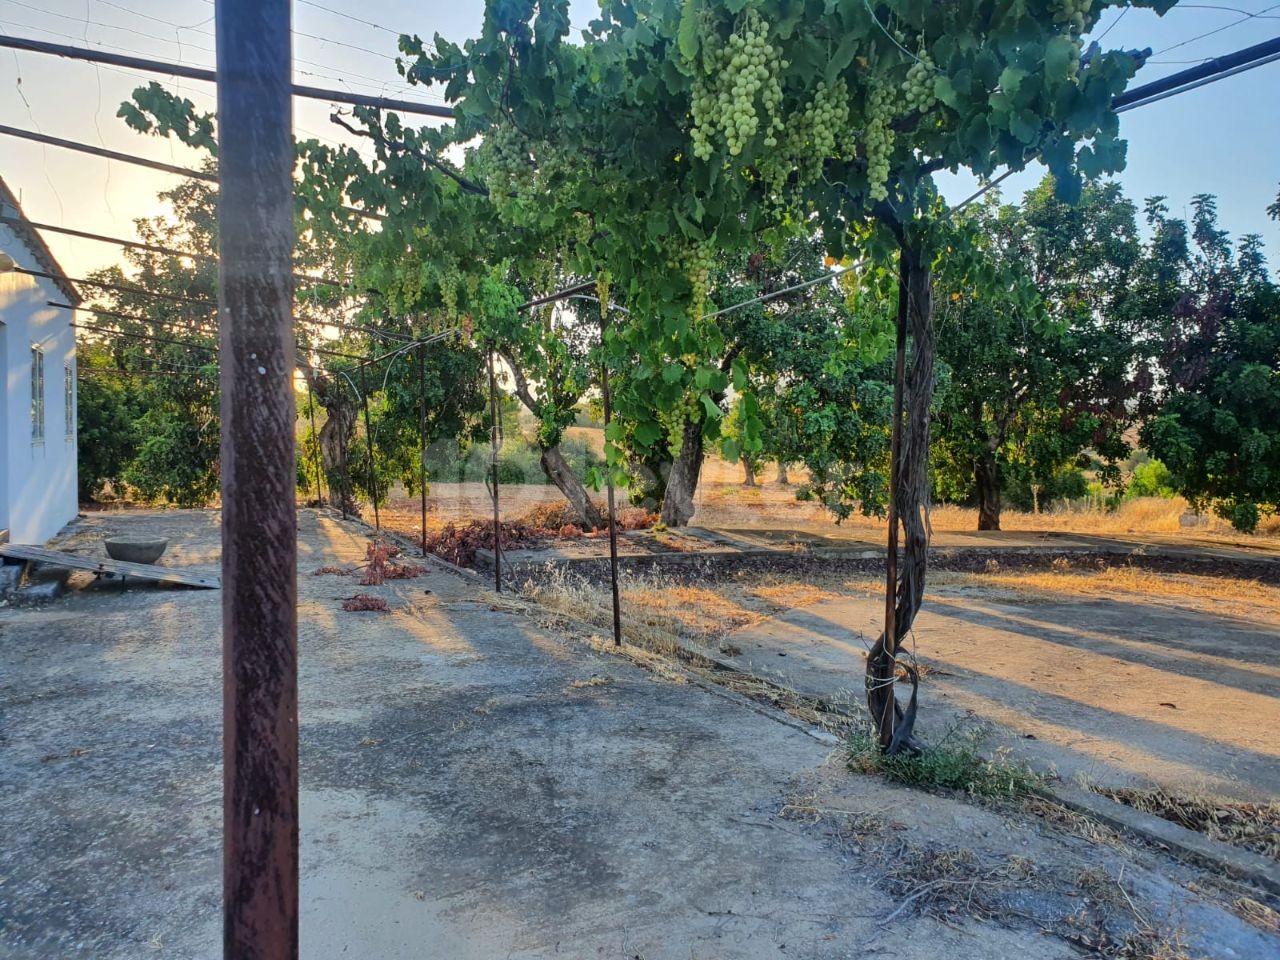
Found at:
(139, 571)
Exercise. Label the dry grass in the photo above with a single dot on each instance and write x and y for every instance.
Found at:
(1246, 598)
(1258, 914)
(1137, 516)
(1253, 826)
(595, 680)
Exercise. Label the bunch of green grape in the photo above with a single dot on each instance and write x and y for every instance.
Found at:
(1073, 13)
(503, 159)
(734, 76)
(699, 260)
(917, 89)
(450, 280)
(826, 118)
(878, 139)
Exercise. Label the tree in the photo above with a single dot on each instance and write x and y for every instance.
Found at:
(105, 415)
(1217, 428)
(158, 321)
(1044, 355)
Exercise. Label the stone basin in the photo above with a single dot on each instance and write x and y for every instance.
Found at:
(136, 549)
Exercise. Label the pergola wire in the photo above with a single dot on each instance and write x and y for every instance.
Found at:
(210, 76)
(45, 139)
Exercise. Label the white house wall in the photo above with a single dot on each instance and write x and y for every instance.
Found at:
(39, 483)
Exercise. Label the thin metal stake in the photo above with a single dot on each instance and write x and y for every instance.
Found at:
(259, 481)
(368, 439)
(346, 461)
(494, 415)
(613, 520)
(315, 441)
(422, 434)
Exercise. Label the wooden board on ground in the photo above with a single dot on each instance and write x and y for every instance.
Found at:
(101, 565)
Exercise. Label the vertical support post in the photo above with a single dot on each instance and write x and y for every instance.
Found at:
(422, 438)
(885, 723)
(315, 441)
(259, 477)
(368, 439)
(346, 461)
(495, 415)
(606, 396)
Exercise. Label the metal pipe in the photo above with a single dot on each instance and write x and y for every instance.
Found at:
(494, 421)
(259, 477)
(368, 439)
(315, 440)
(422, 436)
(613, 519)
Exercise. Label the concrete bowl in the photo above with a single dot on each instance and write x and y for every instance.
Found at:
(136, 549)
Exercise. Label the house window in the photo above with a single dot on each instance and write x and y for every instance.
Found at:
(37, 395)
(69, 399)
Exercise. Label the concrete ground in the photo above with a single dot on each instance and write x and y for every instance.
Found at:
(477, 786)
(1115, 690)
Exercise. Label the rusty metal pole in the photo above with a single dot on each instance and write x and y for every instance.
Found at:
(422, 438)
(368, 439)
(494, 415)
(346, 461)
(315, 444)
(259, 479)
(613, 519)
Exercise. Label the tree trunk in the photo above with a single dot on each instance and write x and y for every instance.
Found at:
(650, 473)
(748, 472)
(558, 471)
(986, 478)
(335, 437)
(677, 505)
(910, 492)
(784, 479)
(554, 465)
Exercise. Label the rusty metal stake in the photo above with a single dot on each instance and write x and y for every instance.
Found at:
(346, 460)
(315, 443)
(613, 520)
(494, 415)
(368, 439)
(259, 480)
(422, 436)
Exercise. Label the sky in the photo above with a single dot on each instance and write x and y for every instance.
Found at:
(1222, 139)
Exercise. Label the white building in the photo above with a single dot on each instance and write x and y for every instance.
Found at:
(38, 489)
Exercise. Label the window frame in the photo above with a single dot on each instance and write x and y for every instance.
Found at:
(37, 395)
(69, 399)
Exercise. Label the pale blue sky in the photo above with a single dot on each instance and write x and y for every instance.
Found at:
(1223, 139)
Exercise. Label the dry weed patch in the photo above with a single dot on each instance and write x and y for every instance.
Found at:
(1242, 597)
(1253, 826)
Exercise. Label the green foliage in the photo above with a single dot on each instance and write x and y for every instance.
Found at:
(163, 440)
(1151, 479)
(1217, 428)
(673, 132)
(177, 454)
(105, 412)
(1045, 354)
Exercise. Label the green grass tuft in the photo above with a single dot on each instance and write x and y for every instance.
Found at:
(955, 763)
